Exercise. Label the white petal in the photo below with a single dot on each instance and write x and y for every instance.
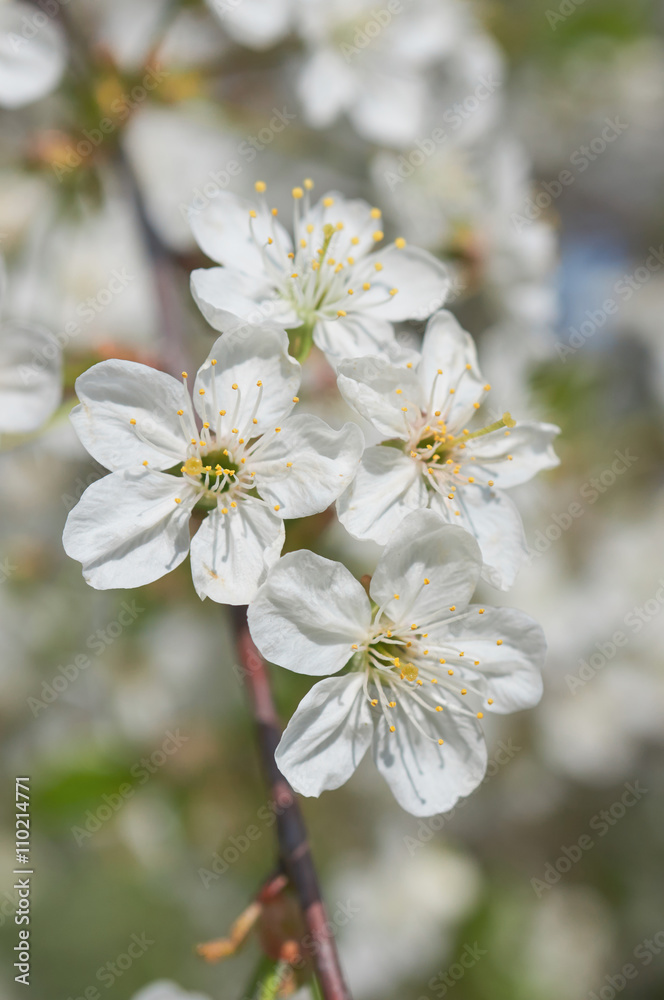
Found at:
(324, 462)
(258, 24)
(387, 487)
(422, 283)
(424, 547)
(225, 231)
(379, 391)
(308, 614)
(530, 446)
(388, 110)
(448, 348)
(127, 530)
(327, 737)
(115, 392)
(231, 553)
(426, 778)
(230, 299)
(30, 377)
(355, 335)
(495, 522)
(32, 55)
(511, 673)
(245, 357)
(326, 86)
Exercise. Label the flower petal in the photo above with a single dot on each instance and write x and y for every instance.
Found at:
(246, 357)
(127, 530)
(230, 299)
(32, 58)
(308, 613)
(422, 283)
(448, 348)
(232, 552)
(258, 24)
(495, 522)
(426, 778)
(355, 335)
(351, 218)
(112, 394)
(514, 459)
(30, 377)
(326, 85)
(379, 391)
(510, 673)
(425, 548)
(327, 736)
(322, 463)
(387, 487)
(226, 232)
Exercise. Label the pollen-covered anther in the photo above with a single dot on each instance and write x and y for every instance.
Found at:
(378, 235)
(439, 708)
(132, 422)
(499, 642)
(374, 701)
(393, 291)
(341, 312)
(193, 466)
(277, 506)
(260, 187)
(480, 611)
(480, 715)
(296, 399)
(413, 627)
(297, 193)
(393, 729)
(463, 691)
(145, 462)
(409, 672)
(354, 646)
(490, 701)
(400, 243)
(178, 499)
(378, 266)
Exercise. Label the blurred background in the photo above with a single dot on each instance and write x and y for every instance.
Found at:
(521, 142)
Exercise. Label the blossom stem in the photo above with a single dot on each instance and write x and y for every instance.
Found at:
(294, 849)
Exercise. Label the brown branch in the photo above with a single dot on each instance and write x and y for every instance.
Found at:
(294, 849)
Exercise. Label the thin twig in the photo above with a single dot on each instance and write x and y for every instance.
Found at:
(294, 850)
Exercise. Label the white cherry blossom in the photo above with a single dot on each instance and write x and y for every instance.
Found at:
(433, 456)
(234, 453)
(328, 282)
(420, 665)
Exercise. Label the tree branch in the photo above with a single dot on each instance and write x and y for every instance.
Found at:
(294, 849)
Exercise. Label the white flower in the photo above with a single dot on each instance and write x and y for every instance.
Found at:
(423, 665)
(30, 373)
(378, 66)
(32, 54)
(330, 282)
(433, 458)
(243, 460)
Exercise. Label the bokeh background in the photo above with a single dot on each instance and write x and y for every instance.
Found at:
(561, 281)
